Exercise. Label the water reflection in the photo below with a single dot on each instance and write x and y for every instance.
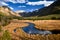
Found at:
(30, 29)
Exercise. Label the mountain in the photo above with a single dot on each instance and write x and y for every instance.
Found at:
(54, 8)
(6, 15)
(20, 11)
(4, 10)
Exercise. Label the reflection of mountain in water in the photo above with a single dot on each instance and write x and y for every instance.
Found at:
(32, 30)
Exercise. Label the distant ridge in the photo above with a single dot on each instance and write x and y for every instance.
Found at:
(54, 8)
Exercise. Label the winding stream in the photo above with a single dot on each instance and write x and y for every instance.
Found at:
(30, 29)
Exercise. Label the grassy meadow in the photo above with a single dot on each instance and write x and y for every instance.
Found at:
(21, 35)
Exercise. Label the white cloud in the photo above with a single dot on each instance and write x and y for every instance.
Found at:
(3, 3)
(11, 8)
(16, 1)
(21, 6)
(36, 9)
(46, 3)
(35, 3)
(31, 10)
(20, 11)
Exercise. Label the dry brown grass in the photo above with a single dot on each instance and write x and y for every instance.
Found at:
(48, 24)
(40, 24)
(44, 24)
(13, 26)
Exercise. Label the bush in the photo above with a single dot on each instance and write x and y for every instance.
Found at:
(0, 28)
(53, 18)
(6, 36)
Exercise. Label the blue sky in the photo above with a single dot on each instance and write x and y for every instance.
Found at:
(25, 5)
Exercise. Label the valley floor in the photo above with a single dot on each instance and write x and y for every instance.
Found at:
(43, 24)
(40, 24)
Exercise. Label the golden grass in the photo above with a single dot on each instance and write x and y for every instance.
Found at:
(13, 26)
(40, 24)
(44, 24)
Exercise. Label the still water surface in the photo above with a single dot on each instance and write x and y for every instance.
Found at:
(30, 29)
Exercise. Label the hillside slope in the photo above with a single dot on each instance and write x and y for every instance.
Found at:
(7, 11)
(54, 8)
(6, 14)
